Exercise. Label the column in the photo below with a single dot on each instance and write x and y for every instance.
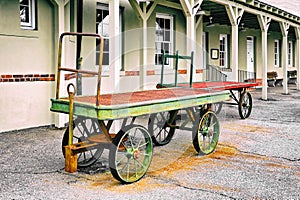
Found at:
(114, 44)
(143, 66)
(60, 119)
(190, 42)
(264, 23)
(235, 52)
(234, 14)
(264, 38)
(297, 56)
(284, 30)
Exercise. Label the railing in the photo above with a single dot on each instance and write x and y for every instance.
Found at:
(245, 76)
(213, 73)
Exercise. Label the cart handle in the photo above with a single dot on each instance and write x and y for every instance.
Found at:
(60, 68)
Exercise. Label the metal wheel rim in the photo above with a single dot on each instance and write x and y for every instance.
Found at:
(208, 133)
(133, 154)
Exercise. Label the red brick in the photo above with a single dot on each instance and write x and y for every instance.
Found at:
(199, 71)
(150, 72)
(182, 71)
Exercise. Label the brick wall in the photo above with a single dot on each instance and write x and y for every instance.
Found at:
(26, 77)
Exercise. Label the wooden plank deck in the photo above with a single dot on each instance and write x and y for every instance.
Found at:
(123, 105)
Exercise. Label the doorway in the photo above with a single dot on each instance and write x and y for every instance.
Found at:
(250, 57)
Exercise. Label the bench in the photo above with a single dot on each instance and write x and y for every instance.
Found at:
(273, 80)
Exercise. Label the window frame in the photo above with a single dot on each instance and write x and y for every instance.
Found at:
(101, 6)
(168, 63)
(31, 24)
(223, 52)
(290, 53)
(276, 53)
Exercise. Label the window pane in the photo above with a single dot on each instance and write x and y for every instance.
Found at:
(97, 44)
(105, 59)
(167, 24)
(106, 45)
(166, 47)
(24, 14)
(24, 2)
(167, 36)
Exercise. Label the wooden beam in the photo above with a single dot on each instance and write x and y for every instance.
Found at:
(187, 7)
(235, 14)
(170, 4)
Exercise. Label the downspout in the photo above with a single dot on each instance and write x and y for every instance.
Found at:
(78, 46)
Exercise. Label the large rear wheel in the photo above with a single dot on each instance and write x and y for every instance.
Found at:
(131, 154)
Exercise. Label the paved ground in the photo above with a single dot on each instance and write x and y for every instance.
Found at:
(257, 158)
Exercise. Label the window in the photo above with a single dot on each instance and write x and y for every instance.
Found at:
(163, 37)
(290, 54)
(276, 53)
(223, 51)
(27, 14)
(102, 28)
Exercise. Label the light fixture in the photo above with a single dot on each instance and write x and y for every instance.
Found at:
(243, 29)
(210, 23)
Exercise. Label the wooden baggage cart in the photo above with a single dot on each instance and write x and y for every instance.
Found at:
(131, 148)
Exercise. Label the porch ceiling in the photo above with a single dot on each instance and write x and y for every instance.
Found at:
(249, 20)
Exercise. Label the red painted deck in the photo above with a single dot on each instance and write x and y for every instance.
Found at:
(226, 85)
(144, 96)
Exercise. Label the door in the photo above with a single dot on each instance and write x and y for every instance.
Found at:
(250, 57)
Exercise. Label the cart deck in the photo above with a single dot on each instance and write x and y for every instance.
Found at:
(221, 85)
(121, 105)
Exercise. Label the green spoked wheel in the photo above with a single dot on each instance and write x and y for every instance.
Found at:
(160, 131)
(206, 133)
(131, 154)
(82, 129)
(245, 105)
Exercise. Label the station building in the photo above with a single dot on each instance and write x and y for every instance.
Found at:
(243, 40)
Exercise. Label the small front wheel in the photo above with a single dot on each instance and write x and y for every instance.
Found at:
(131, 154)
(245, 105)
(82, 129)
(206, 133)
(159, 128)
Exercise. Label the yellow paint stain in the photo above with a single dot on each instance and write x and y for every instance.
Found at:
(276, 165)
(190, 161)
(146, 184)
(246, 128)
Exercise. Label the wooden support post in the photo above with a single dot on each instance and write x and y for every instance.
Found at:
(70, 157)
(70, 160)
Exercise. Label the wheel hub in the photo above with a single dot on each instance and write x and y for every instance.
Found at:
(133, 153)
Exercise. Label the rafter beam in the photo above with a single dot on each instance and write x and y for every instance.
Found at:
(170, 4)
(235, 14)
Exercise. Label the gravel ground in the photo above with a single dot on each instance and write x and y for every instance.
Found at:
(256, 158)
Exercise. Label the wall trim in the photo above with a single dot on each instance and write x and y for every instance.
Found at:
(26, 77)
